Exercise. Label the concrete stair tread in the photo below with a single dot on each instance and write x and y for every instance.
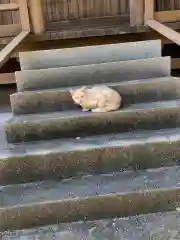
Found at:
(91, 142)
(88, 197)
(89, 186)
(142, 227)
(63, 158)
(79, 166)
(76, 123)
(80, 113)
(110, 84)
(136, 91)
(89, 54)
(93, 73)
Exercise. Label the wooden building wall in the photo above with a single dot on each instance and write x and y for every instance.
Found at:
(64, 10)
(9, 17)
(166, 5)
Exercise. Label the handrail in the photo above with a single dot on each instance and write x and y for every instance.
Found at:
(157, 26)
(22, 6)
(165, 31)
(8, 49)
(8, 7)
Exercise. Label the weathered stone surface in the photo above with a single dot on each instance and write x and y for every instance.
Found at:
(147, 90)
(93, 74)
(76, 123)
(89, 54)
(161, 226)
(88, 198)
(58, 159)
(105, 145)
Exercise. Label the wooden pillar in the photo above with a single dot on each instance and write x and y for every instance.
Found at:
(24, 15)
(149, 10)
(136, 12)
(37, 16)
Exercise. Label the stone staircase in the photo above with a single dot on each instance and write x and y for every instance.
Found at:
(63, 165)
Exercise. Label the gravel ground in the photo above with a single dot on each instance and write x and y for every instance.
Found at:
(159, 226)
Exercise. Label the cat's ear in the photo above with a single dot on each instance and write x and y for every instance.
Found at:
(83, 88)
(72, 91)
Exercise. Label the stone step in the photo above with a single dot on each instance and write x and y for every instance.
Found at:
(90, 197)
(89, 54)
(145, 90)
(159, 226)
(93, 74)
(75, 123)
(63, 158)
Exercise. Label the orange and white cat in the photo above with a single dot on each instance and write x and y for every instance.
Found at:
(99, 98)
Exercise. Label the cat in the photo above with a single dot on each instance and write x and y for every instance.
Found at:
(99, 98)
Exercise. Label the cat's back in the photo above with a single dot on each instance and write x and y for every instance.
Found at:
(101, 89)
(106, 91)
(97, 92)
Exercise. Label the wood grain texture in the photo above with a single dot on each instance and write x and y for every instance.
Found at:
(9, 30)
(63, 10)
(36, 16)
(15, 14)
(136, 12)
(167, 16)
(7, 78)
(149, 10)
(165, 5)
(165, 31)
(5, 17)
(10, 17)
(7, 50)
(8, 7)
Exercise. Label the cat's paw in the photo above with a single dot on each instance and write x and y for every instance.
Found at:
(96, 110)
(85, 110)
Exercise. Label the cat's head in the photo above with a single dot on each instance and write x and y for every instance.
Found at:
(78, 94)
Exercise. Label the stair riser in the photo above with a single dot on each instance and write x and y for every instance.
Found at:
(91, 124)
(149, 91)
(98, 160)
(63, 177)
(99, 207)
(93, 74)
(89, 55)
(114, 229)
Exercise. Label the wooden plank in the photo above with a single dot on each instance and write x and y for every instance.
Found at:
(175, 63)
(7, 78)
(9, 30)
(165, 31)
(15, 14)
(37, 16)
(167, 16)
(149, 10)
(136, 12)
(7, 51)
(79, 37)
(24, 15)
(8, 7)
(93, 22)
